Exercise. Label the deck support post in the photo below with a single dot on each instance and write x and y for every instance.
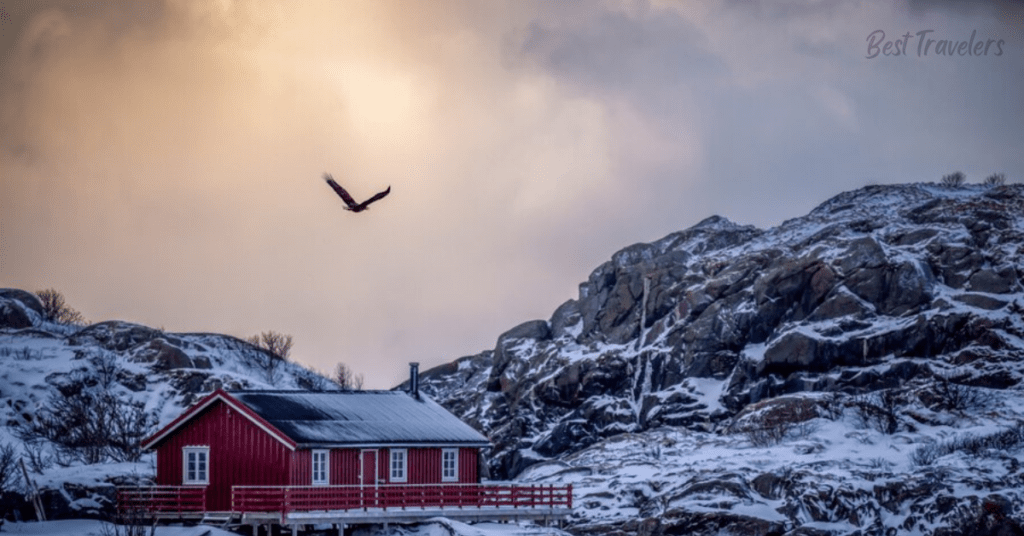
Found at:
(295, 530)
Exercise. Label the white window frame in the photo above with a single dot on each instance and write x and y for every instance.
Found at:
(201, 477)
(325, 470)
(454, 476)
(398, 465)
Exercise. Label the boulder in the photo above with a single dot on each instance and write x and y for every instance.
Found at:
(115, 335)
(77, 501)
(993, 282)
(162, 355)
(566, 316)
(14, 315)
(981, 301)
(841, 303)
(536, 330)
(862, 253)
(26, 299)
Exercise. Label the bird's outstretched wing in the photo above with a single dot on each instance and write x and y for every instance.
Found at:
(376, 196)
(341, 192)
(349, 202)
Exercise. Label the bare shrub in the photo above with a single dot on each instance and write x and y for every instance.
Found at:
(276, 348)
(832, 406)
(39, 459)
(880, 410)
(926, 454)
(957, 396)
(1001, 442)
(954, 179)
(346, 378)
(278, 344)
(8, 465)
(312, 380)
(55, 309)
(85, 420)
(995, 179)
(778, 421)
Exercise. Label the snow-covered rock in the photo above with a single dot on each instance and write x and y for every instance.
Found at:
(743, 390)
(158, 372)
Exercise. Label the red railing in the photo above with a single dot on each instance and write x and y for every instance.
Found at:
(161, 499)
(287, 499)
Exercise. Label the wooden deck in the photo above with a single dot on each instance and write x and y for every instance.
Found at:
(298, 505)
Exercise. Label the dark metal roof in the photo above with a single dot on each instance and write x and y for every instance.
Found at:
(359, 418)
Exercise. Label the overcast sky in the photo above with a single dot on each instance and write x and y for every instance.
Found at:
(161, 160)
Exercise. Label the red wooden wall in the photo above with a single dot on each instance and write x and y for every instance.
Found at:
(423, 466)
(344, 467)
(240, 454)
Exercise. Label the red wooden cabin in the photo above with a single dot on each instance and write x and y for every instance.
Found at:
(288, 453)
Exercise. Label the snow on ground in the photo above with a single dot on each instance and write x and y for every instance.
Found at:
(446, 527)
(644, 474)
(432, 527)
(91, 527)
(48, 356)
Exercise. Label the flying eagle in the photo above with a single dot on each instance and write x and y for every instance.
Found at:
(352, 205)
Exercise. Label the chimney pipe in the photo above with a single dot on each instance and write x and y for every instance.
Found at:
(414, 380)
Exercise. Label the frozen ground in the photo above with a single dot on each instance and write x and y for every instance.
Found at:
(435, 527)
(848, 465)
(90, 527)
(447, 527)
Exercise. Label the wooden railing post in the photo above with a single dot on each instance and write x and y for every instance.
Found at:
(184, 500)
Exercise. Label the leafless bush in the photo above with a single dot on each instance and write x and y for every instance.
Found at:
(21, 354)
(954, 179)
(39, 459)
(880, 410)
(346, 378)
(312, 380)
(86, 421)
(8, 465)
(276, 349)
(763, 431)
(832, 406)
(55, 309)
(278, 344)
(1002, 442)
(774, 424)
(995, 179)
(957, 396)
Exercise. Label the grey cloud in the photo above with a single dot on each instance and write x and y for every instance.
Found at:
(1004, 10)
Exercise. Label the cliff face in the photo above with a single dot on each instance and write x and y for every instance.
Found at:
(885, 295)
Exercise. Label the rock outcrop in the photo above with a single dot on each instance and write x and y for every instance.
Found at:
(880, 288)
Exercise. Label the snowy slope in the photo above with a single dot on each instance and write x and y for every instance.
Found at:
(736, 392)
(161, 373)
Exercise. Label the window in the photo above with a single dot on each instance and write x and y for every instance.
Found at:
(449, 465)
(321, 467)
(196, 465)
(398, 473)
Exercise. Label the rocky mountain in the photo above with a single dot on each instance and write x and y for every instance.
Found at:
(102, 387)
(856, 370)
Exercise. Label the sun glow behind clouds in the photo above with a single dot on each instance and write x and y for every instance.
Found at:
(163, 157)
(381, 101)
